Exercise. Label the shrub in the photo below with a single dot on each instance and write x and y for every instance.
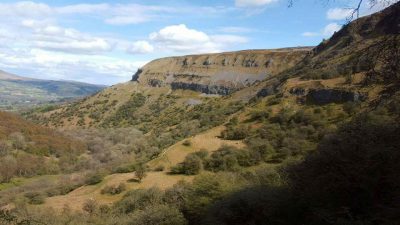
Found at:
(113, 190)
(138, 199)
(224, 159)
(190, 166)
(258, 115)
(140, 172)
(351, 107)
(202, 154)
(157, 215)
(187, 143)
(35, 198)
(90, 206)
(235, 133)
(159, 168)
(94, 178)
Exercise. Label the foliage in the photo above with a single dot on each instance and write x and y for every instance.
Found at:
(95, 178)
(35, 198)
(140, 172)
(157, 215)
(190, 166)
(113, 190)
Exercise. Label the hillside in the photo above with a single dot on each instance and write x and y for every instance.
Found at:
(288, 136)
(21, 92)
(29, 149)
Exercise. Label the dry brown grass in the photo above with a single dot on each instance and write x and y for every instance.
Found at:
(208, 140)
(75, 199)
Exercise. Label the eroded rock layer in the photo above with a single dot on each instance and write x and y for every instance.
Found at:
(221, 73)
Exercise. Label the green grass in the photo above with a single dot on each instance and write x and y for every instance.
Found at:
(19, 181)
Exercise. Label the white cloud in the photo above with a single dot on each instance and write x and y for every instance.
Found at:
(180, 38)
(82, 8)
(234, 29)
(310, 34)
(56, 38)
(331, 29)
(140, 47)
(125, 20)
(253, 3)
(114, 14)
(338, 14)
(327, 31)
(25, 9)
(56, 65)
(179, 34)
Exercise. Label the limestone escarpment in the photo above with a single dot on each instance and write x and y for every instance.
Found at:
(221, 73)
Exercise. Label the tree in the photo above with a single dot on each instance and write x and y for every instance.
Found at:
(8, 168)
(4, 148)
(18, 140)
(140, 172)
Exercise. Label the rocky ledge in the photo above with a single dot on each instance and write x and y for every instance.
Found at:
(221, 73)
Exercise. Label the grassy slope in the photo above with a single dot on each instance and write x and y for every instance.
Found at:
(170, 157)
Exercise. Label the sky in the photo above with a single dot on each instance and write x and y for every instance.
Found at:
(105, 42)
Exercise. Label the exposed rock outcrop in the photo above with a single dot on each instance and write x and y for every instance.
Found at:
(203, 88)
(326, 96)
(222, 73)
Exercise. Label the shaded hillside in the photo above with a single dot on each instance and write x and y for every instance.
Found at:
(16, 91)
(368, 46)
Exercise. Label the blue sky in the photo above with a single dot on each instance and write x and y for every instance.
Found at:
(105, 42)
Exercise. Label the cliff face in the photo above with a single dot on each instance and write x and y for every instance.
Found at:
(221, 73)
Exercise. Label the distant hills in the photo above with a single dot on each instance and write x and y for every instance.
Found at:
(17, 91)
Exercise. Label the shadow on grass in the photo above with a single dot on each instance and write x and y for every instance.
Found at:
(134, 180)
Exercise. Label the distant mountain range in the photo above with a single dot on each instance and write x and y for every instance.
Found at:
(17, 91)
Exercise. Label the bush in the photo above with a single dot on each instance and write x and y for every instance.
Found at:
(258, 115)
(138, 199)
(187, 143)
(224, 159)
(140, 172)
(35, 198)
(94, 178)
(235, 133)
(90, 206)
(113, 190)
(190, 166)
(159, 168)
(157, 215)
